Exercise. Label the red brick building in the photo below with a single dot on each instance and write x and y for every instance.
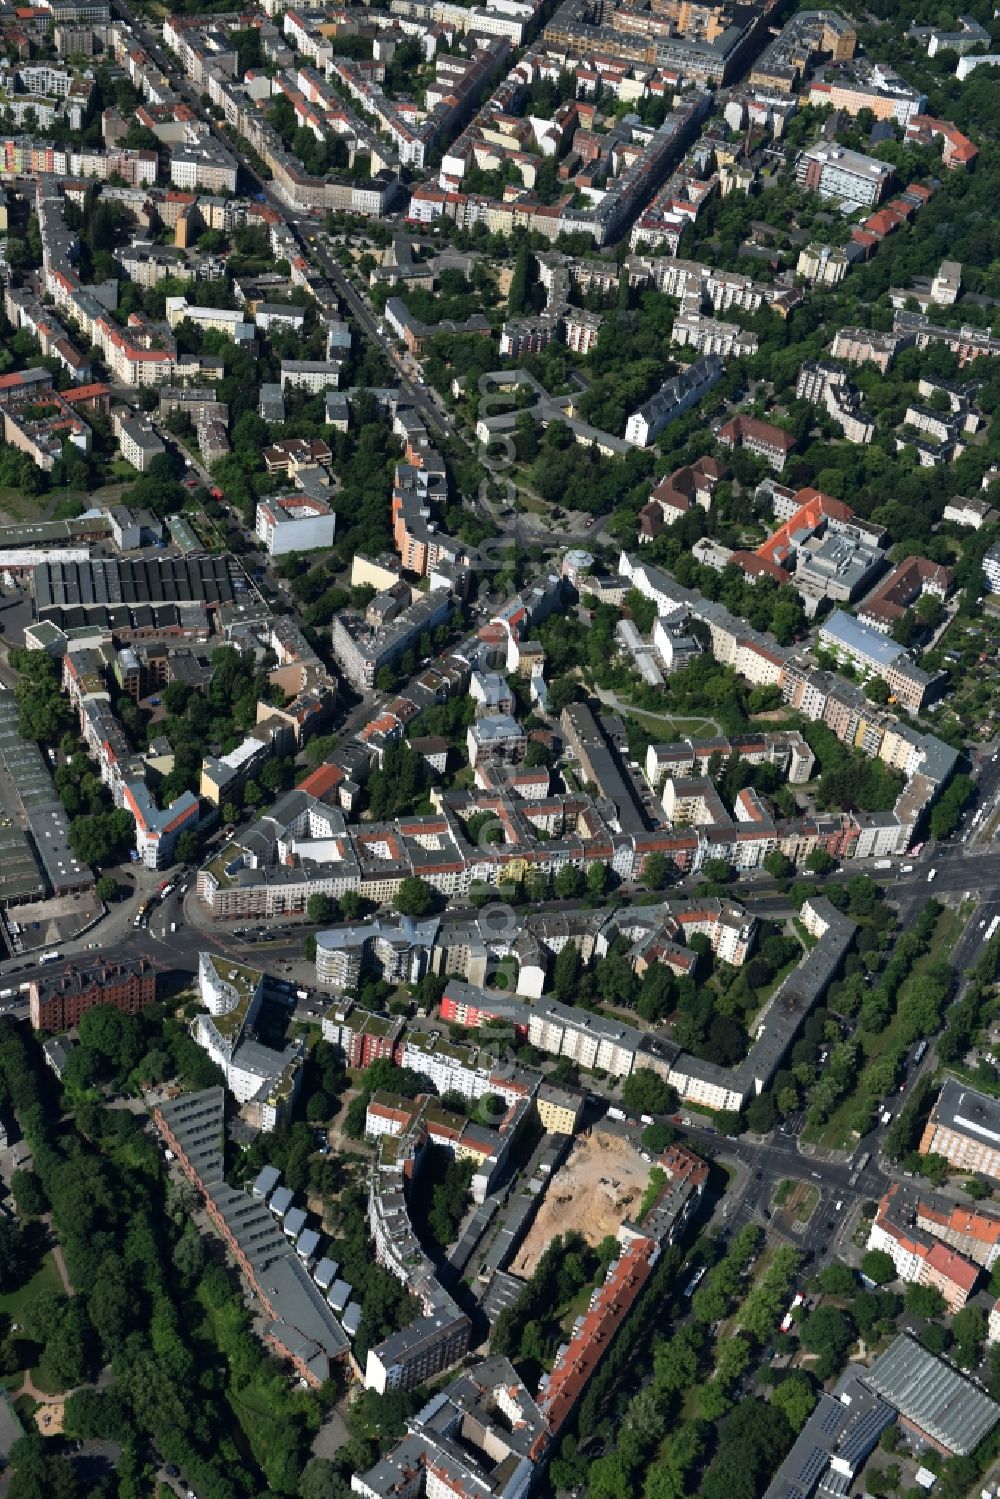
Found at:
(59, 997)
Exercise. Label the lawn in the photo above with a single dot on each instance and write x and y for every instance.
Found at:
(837, 1134)
(20, 506)
(679, 728)
(45, 1278)
(807, 1204)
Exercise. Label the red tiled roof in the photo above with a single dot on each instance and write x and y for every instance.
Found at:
(323, 779)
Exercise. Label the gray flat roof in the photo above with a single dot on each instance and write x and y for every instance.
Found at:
(19, 873)
(295, 1222)
(281, 1200)
(962, 1109)
(267, 1179)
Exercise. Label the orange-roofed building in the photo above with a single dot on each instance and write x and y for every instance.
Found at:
(815, 510)
(323, 782)
(920, 1257)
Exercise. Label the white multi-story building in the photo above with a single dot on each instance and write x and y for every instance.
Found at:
(316, 375)
(293, 523)
(592, 1041)
(850, 177)
(139, 443)
(710, 336)
(822, 264)
(203, 168)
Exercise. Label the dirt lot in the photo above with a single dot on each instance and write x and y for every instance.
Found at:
(49, 1418)
(600, 1185)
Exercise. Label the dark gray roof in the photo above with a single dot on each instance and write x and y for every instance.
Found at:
(845, 1425)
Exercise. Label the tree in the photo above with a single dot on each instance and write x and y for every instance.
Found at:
(752, 1440)
(113, 1035)
(969, 1328)
(877, 1266)
(924, 1301)
(645, 1092)
(43, 713)
(597, 878)
(762, 1114)
(566, 973)
(655, 872)
(321, 908)
(318, 1107)
(107, 888)
(351, 905)
(656, 1137)
(820, 862)
(777, 864)
(188, 847)
(877, 690)
(321, 1480)
(414, 897)
(517, 296)
(838, 1280)
(658, 992)
(947, 811)
(795, 1397)
(830, 1334)
(29, 1194)
(98, 838)
(568, 882)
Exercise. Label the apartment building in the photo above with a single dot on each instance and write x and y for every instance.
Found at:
(314, 375)
(139, 442)
(848, 176)
(762, 438)
(363, 1036)
(823, 265)
(957, 151)
(871, 654)
(710, 336)
(294, 523)
(299, 1322)
(362, 650)
(908, 582)
(864, 346)
(594, 1332)
(495, 739)
(964, 1127)
(559, 1109)
(826, 385)
(974, 513)
(483, 1435)
(919, 1257)
(204, 167)
(595, 1041)
(59, 997)
(967, 343)
(880, 90)
(675, 396)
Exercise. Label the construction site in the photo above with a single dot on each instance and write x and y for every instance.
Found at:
(602, 1182)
